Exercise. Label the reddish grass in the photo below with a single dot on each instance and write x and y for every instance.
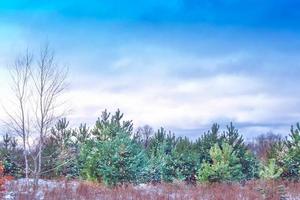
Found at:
(251, 190)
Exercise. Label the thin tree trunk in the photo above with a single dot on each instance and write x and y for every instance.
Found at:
(40, 162)
(26, 161)
(24, 140)
(35, 181)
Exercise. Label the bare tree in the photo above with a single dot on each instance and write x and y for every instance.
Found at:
(262, 144)
(144, 133)
(37, 86)
(18, 118)
(49, 83)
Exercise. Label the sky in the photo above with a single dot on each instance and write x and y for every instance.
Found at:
(181, 64)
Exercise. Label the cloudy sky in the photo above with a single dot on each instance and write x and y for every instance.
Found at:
(181, 64)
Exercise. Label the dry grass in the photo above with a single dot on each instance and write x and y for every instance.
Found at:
(69, 190)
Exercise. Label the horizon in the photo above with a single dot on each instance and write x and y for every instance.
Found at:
(179, 64)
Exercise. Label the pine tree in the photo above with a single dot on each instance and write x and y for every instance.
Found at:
(270, 171)
(6, 141)
(81, 134)
(224, 167)
(161, 167)
(59, 151)
(291, 158)
(250, 165)
(161, 159)
(114, 157)
(203, 144)
(107, 127)
(186, 161)
(116, 161)
(61, 134)
(232, 137)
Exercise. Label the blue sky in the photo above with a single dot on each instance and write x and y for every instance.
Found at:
(182, 64)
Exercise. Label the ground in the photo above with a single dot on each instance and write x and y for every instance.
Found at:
(79, 190)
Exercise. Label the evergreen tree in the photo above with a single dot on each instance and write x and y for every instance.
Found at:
(287, 154)
(161, 165)
(116, 161)
(61, 134)
(186, 160)
(250, 165)
(270, 171)
(107, 127)
(290, 159)
(205, 142)
(161, 160)
(11, 157)
(59, 151)
(231, 136)
(6, 141)
(224, 167)
(114, 157)
(81, 134)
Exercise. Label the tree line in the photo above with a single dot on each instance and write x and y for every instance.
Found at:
(112, 152)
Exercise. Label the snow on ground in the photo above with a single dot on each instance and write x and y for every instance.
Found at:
(20, 184)
(18, 187)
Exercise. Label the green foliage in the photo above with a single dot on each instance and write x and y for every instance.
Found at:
(6, 141)
(9, 161)
(112, 154)
(161, 166)
(81, 134)
(287, 155)
(116, 161)
(80, 138)
(61, 134)
(10, 156)
(224, 167)
(277, 151)
(59, 152)
(205, 142)
(88, 158)
(107, 126)
(291, 161)
(114, 157)
(186, 160)
(160, 154)
(50, 154)
(249, 164)
(270, 171)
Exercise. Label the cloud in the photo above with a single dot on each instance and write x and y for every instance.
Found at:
(193, 104)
